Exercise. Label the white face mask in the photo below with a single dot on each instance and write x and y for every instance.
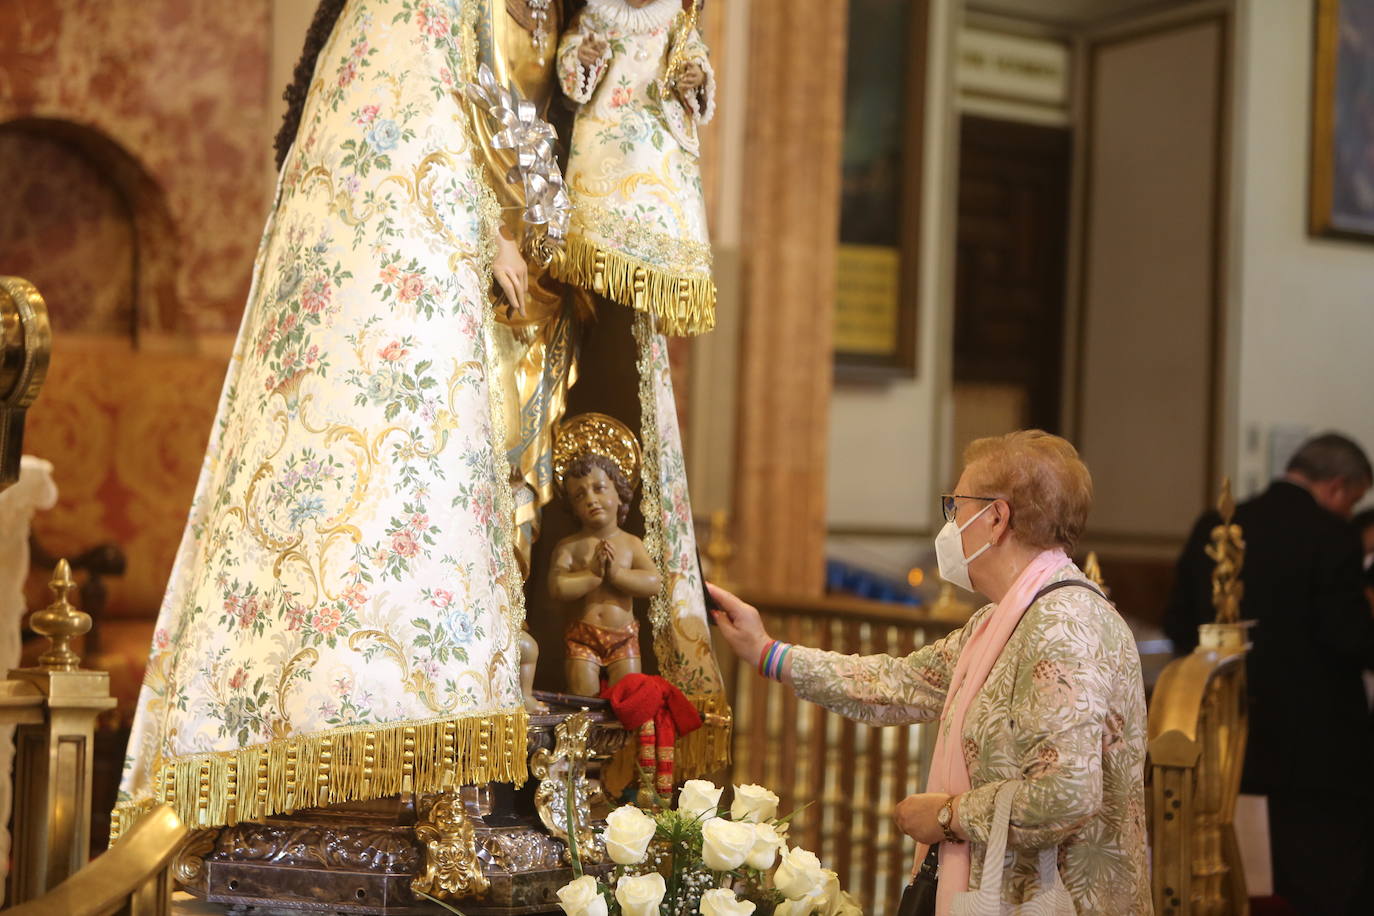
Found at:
(949, 552)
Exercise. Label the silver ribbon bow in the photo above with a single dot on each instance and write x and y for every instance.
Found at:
(547, 205)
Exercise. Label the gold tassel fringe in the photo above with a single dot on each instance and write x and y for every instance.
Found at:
(707, 749)
(313, 771)
(684, 304)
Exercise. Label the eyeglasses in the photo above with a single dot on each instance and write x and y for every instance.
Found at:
(950, 508)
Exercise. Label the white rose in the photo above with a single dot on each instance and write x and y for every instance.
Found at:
(582, 898)
(699, 798)
(799, 873)
(803, 906)
(767, 842)
(628, 833)
(848, 906)
(830, 893)
(723, 902)
(640, 896)
(754, 803)
(724, 844)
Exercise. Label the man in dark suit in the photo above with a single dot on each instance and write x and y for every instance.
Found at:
(1309, 748)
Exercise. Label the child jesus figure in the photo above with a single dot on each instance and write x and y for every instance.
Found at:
(605, 569)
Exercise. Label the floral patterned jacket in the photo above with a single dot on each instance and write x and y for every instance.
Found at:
(1063, 709)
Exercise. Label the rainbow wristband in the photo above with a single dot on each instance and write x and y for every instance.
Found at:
(765, 656)
(772, 657)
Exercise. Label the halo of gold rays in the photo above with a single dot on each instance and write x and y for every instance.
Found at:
(596, 434)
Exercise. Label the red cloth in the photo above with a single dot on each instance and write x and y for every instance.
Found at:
(637, 698)
(660, 712)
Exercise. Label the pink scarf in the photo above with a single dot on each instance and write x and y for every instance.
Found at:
(949, 769)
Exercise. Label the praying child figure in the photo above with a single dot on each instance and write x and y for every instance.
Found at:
(642, 78)
(604, 568)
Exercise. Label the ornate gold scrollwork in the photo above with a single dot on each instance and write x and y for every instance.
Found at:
(452, 868)
(567, 766)
(188, 867)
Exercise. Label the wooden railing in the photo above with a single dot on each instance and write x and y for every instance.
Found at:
(848, 775)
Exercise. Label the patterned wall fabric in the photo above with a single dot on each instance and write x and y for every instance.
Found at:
(181, 85)
(68, 231)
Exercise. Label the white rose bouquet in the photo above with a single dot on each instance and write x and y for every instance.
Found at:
(698, 859)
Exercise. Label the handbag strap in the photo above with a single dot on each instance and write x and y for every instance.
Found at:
(1065, 583)
(1004, 817)
(994, 860)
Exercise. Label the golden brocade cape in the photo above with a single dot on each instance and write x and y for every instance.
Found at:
(342, 617)
(639, 234)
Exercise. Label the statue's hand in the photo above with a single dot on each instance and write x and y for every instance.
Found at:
(510, 273)
(605, 555)
(591, 50)
(692, 78)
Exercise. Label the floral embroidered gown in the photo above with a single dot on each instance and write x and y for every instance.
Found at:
(342, 615)
(639, 234)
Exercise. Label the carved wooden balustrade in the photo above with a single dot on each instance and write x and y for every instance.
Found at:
(850, 774)
(1197, 731)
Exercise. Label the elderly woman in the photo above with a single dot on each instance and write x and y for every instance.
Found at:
(1043, 686)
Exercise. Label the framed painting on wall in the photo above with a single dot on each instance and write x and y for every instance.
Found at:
(876, 289)
(1341, 183)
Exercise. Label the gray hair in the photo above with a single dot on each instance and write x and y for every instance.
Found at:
(1332, 456)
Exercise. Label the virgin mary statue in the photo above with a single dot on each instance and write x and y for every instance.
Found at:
(344, 615)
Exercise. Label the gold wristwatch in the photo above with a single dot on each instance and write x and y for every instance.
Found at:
(945, 818)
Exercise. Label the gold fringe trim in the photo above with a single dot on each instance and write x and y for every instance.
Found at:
(707, 749)
(313, 771)
(684, 304)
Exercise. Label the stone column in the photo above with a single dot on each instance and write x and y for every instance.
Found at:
(789, 234)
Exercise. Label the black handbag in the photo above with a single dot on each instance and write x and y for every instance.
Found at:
(918, 897)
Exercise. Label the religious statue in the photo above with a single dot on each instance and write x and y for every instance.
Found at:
(601, 568)
(345, 616)
(642, 77)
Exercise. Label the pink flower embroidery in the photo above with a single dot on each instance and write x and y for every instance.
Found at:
(160, 639)
(442, 598)
(403, 543)
(355, 595)
(621, 96)
(327, 620)
(412, 285)
(368, 114)
(239, 679)
(393, 351)
(316, 295)
(390, 273)
(432, 22)
(348, 73)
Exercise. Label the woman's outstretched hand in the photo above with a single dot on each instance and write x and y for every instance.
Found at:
(740, 624)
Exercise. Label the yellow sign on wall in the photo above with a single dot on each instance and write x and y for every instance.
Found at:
(868, 292)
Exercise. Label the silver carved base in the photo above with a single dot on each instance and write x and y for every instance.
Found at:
(489, 849)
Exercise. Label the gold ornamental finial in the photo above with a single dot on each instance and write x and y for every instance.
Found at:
(60, 622)
(1093, 570)
(1227, 550)
(720, 549)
